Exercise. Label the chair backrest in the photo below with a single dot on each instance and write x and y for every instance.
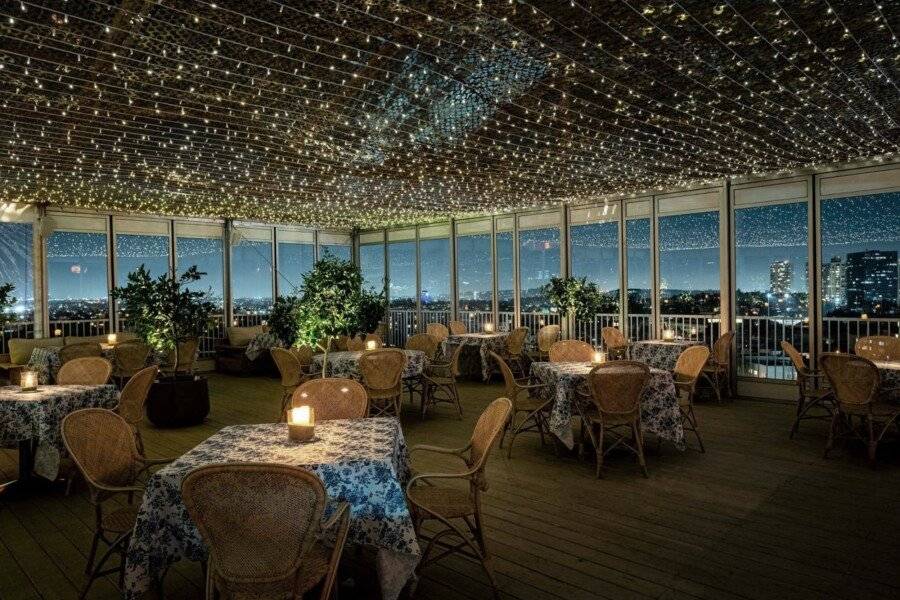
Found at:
(795, 356)
(131, 356)
(490, 423)
(612, 337)
(79, 350)
(304, 354)
(339, 343)
(102, 445)
(332, 398)
(187, 354)
(547, 336)
(458, 328)
(616, 387)
(509, 379)
(722, 348)
(571, 351)
(90, 370)
(373, 337)
(437, 330)
(288, 366)
(515, 342)
(382, 369)
(258, 520)
(878, 347)
(356, 344)
(855, 380)
(134, 395)
(690, 363)
(423, 342)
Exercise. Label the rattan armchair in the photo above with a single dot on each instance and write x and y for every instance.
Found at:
(439, 382)
(373, 338)
(132, 400)
(717, 370)
(382, 375)
(615, 343)
(79, 350)
(339, 344)
(89, 370)
(878, 348)
(254, 551)
(687, 371)
(129, 358)
(458, 328)
(857, 388)
(187, 357)
(332, 398)
(456, 509)
(427, 344)
(616, 389)
(546, 337)
(292, 375)
(514, 350)
(525, 400)
(437, 330)
(571, 351)
(103, 447)
(815, 400)
(356, 344)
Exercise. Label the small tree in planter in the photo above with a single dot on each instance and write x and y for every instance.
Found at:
(372, 308)
(6, 301)
(576, 297)
(330, 304)
(283, 319)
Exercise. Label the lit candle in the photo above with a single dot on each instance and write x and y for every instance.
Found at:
(488, 327)
(371, 345)
(29, 381)
(57, 332)
(668, 335)
(864, 316)
(599, 357)
(693, 331)
(111, 338)
(301, 423)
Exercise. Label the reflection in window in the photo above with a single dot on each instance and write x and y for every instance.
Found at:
(595, 255)
(77, 275)
(402, 274)
(206, 254)
(538, 263)
(251, 277)
(434, 255)
(294, 261)
(134, 250)
(506, 279)
(17, 268)
(371, 263)
(637, 257)
(474, 276)
(859, 256)
(689, 264)
(335, 251)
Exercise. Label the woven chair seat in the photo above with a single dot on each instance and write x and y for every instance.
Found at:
(389, 394)
(122, 519)
(876, 409)
(439, 380)
(609, 419)
(312, 570)
(450, 503)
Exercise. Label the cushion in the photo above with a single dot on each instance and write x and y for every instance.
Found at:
(20, 349)
(241, 336)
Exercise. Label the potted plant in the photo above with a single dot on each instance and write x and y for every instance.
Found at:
(283, 319)
(330, 304)
(576, 297)
(165, 314)
(372, 308)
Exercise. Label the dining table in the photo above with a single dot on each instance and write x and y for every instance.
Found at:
(478, 346)
(890, 373)
(363, 462)
(346, 364)
(660, 354)
(566, 387)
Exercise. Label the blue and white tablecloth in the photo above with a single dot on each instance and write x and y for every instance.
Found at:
(660, 354)
(346, 364)
(261, 342)
(484, 342)
(361, 461)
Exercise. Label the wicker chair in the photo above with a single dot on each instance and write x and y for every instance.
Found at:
(332, 398)
(304, 356)
(450, 505)
(616, 390)
(523, 400)
(90, 370)
(382, 375)
(717, 370)
(514, 351)
(439, 383)
(687, 371)
(857, 387)
(373, 337)
(615, 343)
(339, 344)
(571, 351)
(132, 399)
(102, 444)
(254, 551)
(878, 348)
(292, 375)
(428, 344)
(356, 344)
(815, 400)
(79, 350)
(458, 328)
(437, 330)
(546, 337)
(129, 358)
(187, 357)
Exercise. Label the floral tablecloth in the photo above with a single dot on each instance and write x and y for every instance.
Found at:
(659, 353)
(37, 416)
(346, 364)
(890, 373)
(361, 461)
(260, 342)
(484, 342)
(45, 361)
(659, 404)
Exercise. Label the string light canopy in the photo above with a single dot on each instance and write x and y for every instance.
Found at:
(373, 113)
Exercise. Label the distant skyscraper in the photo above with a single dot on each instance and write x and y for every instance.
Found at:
(834, 282)
(872, 280)
(780, 275)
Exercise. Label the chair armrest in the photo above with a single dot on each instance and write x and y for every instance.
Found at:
(440, 450)
(426, 476)
(533, 386)
(149, 463)
(341, 508)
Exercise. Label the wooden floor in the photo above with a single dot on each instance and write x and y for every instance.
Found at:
(757, 516)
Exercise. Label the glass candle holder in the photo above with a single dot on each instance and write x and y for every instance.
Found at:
(668, 335)
(371, 345)
(28, 381)
(599, 357)
(489, 328)
(301, 423)
(111, 338)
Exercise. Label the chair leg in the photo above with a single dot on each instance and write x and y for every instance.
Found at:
(456, 401)
(796, 426)
(829, 445)
(486, 561)
(598, 450)
(639, 447)
(873, 443)
(512, 434)
(92, 555)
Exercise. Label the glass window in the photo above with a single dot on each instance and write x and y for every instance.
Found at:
(538, 263)
(474, 275)
(434, 256)
(506, 278)
(371, 263)
(77, 275)
(595, 255)
(251, 277)
(294, 261)
(206, 254)
(17, 268)
(134, 250)
(335, 251)
(637, 257)
(689, 264)
(402, 274)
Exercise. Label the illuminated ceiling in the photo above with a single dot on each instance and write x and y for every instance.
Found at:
(372, 113)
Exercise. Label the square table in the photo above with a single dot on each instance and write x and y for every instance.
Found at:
(361, 461)
(484, 342)
(659, 403)
(346, 364)
(660, 354)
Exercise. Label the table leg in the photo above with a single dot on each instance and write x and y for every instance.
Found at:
(26, 466)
